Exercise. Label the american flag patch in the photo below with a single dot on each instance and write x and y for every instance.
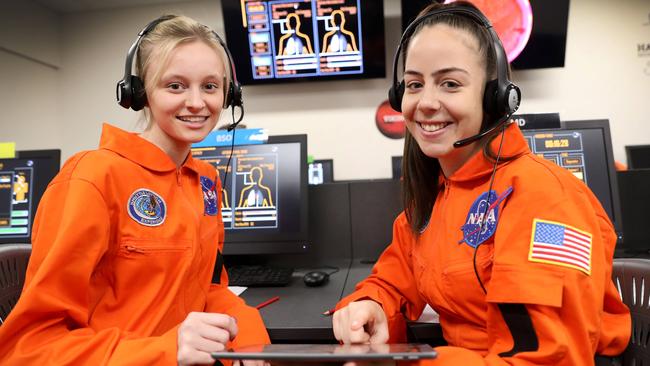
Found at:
(560, 244)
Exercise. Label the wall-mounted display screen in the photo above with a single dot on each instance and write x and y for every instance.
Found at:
(275, 41)
(545, 46)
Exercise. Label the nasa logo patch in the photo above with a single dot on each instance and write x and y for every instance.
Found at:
(147, 207)
(482, 218)
(209, 189)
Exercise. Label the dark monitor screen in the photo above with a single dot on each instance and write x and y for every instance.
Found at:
(585, 149)
(635, 200)
(546, 46)
(321, 171)
(299, 40)
(22, 183)
(396, 165)
(264, 198)
(638, 156)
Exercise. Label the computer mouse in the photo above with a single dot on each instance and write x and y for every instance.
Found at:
(316, 278)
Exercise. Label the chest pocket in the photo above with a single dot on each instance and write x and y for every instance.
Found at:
(141, 261)
(460, 282)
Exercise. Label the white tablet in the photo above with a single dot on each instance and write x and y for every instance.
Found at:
(329, 352)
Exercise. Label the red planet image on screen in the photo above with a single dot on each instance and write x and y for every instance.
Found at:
(512, 20)
(389, 122)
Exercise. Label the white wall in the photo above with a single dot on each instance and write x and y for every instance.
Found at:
(29, 75)
(603, 78)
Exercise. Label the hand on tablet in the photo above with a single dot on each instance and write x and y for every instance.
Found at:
(361, 322)
(202, 333)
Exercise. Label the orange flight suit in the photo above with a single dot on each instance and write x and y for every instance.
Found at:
(116, 268)
(537, 311)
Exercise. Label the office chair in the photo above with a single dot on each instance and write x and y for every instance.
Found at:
(629, 275)
(13, 265)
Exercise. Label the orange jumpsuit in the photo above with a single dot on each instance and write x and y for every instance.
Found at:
(538, 310)
(116, 268)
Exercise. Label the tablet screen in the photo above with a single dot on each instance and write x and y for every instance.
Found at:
(329, 352)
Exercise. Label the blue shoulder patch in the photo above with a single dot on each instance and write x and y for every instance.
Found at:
(483, 216)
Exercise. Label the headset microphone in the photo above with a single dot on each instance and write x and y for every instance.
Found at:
(469, 140)
(512, 104)
(234, 123)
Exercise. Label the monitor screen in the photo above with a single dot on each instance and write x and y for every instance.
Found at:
(22, 183)
(638, 156)
(635, 199)
(546, 46)
(396, 166)
(321, 171)
(585, 149)
(264, 198)
(274, 41)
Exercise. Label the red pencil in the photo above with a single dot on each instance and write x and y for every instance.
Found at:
(267, 302)
(329, 312)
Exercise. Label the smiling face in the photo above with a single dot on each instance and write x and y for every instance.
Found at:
(444, 81)
(186, 101)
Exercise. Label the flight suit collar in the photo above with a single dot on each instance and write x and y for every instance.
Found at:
(479, 166)
(140, 151)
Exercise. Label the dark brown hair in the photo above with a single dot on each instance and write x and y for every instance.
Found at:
(421, 173)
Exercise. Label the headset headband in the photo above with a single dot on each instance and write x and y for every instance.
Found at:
(501, 97)
(130, 90)
(501, 58)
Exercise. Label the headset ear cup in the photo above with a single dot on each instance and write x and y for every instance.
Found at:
(123, 94)
(513, 100)
(138, 94)
(236, 97)
(395, 94)
(491, 99)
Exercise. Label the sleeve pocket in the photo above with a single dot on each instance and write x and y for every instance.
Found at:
(525, 286)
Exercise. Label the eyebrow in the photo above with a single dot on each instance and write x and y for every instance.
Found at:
(437, 72)
(179, 76)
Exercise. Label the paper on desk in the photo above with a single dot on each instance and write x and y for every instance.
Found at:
(237, 290)
(429, 316)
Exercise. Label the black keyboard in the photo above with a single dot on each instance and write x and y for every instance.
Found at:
(259, 276)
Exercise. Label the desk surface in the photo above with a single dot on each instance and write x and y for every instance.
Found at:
(298, 316)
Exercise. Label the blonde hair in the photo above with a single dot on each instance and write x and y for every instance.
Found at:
(159, 43)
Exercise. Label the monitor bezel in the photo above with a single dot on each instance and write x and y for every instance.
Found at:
(264, 242)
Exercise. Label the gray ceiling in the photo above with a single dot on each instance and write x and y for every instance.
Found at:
(75, 6)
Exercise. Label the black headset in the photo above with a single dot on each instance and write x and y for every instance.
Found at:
(501, 98)
(130, 91)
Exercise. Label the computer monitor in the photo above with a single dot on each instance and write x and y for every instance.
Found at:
(264, 198)
(635, 200)
(585, 149)
(280, 41)
(638, 156)
(321, 171)
(396, 165)
(22, 183)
